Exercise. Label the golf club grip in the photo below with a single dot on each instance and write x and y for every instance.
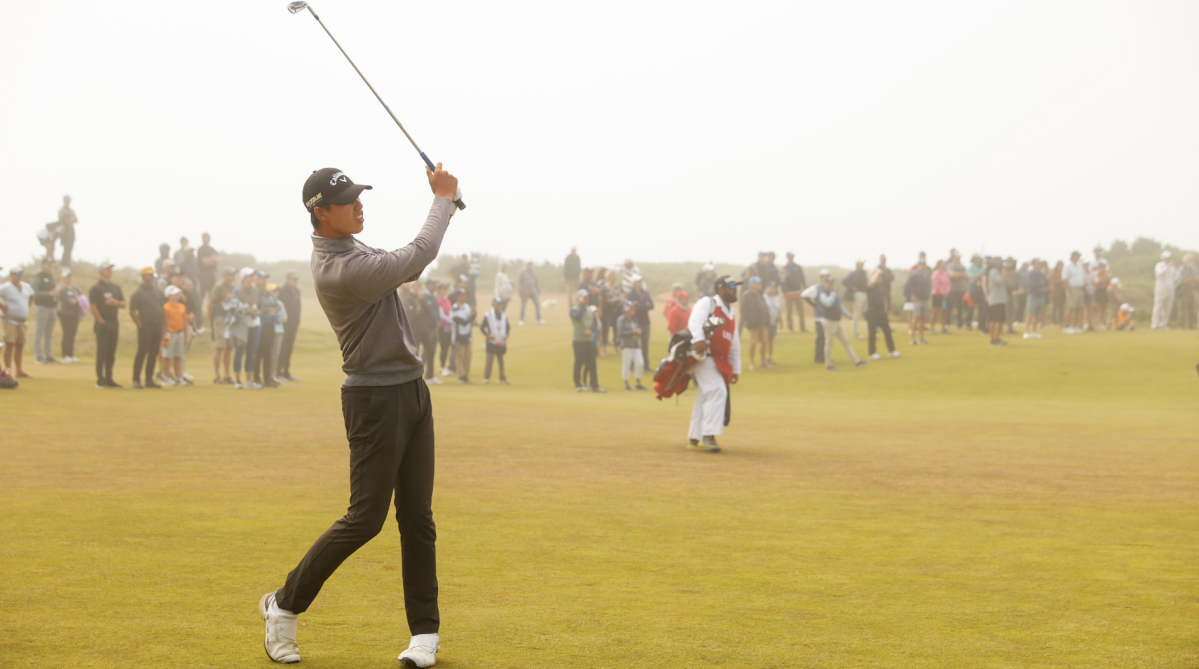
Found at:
(433, 168)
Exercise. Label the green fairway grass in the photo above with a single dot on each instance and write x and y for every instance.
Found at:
(960, 506)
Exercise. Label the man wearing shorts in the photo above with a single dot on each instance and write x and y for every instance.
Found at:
(221, 342)
(1075, 276)
(994, 285)
(16, 299)
(916, 290)
(386, 405)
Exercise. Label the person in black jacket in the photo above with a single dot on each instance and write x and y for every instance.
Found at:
(754, 318)
(876, 315)
(45, 308)
(68, 314)
(426, 331)
(571, 269)
(793, 284)
(289, 295)
(855, 294)
(107, 300)
(916, 290)
(145, 309)
(645, 305)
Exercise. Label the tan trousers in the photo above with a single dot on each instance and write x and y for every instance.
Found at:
(462, 351)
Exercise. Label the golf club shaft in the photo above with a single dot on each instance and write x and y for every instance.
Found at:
(432, 168)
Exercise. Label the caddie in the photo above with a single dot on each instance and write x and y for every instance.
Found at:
(719, 366)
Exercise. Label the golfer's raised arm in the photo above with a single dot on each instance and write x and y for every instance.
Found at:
(370, 277)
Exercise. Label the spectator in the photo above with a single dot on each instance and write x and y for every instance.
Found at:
(69, 313)
(45, 309)
(571, 269)
(994, 284)
(529, 290)
(974, 276)
(916, 290)
(758, 268)
(16, 300)
(793, 284)
(941, 287)
(1123, 318)
(830, 309)
(222, 342)
(463, 316)
(185, 260)
(46, 236)
(270, 331)
(628, 340)
(958, 285)
(146, 312)
(503, 286)
(1164, 288)
(1188, 287)
(289, 296)
(445, 327)
(253, 330)
(207, 259)
(66, 230)
(1115, 297)
(427, 328)
(160, 265)
(677, 319)
(770, 271)
(888, 279)
(588, 284)
(1074, 276)
(876, 316)
(1101, 276)
(627, 271)
(241, 317)
(1057, 293)
(1038, 290)
(774, 307)
(584, 323)
(1016, 294)
(855, 294)
(106, 300)
(174, 332)
(645, 305)
(705, 281)
(611, 302)
(754, 315)
(495, 328)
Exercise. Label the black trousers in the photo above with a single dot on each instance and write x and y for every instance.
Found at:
(107, 335)
(958, 306)
(149, 343)
(875, 321)
(70, 326)
(446, 340)
(819, 340)
(289, 343)
(390, 430)
(585, 361)
(263, 371)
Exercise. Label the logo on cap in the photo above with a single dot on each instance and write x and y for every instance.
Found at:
(337, 175)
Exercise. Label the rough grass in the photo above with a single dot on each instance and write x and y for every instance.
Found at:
(961, 506)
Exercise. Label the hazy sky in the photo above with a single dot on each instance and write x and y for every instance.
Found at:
(661, 131)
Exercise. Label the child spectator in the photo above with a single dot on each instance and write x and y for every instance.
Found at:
(174, 343)
(1124, 318)
(678, 312)
(495, 327)
(774, 305)
(463, 316)
(628, 340)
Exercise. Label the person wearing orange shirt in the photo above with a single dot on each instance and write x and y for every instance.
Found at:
(174, 337)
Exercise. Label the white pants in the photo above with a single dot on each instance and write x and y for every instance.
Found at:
(859, 309)
(1163, 304)
(707, 418)
(631, 357)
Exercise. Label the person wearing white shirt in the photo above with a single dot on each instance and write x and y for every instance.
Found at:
(1075, 276)
(1166, 282)
(718, 365)
(503, 286)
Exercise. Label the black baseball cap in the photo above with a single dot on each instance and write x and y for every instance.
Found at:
(726, 281)
(330, 186)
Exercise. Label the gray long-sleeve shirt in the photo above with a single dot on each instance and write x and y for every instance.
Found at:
(356, 286)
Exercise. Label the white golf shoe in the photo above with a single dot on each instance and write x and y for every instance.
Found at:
(422, 651)
(280, 641)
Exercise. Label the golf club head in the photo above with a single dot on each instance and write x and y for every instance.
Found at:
(297, 6)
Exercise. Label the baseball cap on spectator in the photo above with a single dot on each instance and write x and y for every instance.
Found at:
(581, 293)
(107, 265)
(172, 290)
(708, 267)
(825, 272)
(66, 271)
(684, 294)
(16, 271)
(1127, 307)
(790, 254)
(496, 300)
(629, 304)
(1167, 254)
(635, 278)
(272, 286)
(1115, 281)
(431, 282)
(146, 270)
(755, 279)
(261, 274)
(245, 271)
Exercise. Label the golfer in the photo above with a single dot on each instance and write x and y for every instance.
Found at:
(714, 372)
(386, 404)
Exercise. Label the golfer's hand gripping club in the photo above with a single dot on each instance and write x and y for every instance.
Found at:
(444, 184)
(455, 194)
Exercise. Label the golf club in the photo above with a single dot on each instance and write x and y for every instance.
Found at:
(299, 6)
